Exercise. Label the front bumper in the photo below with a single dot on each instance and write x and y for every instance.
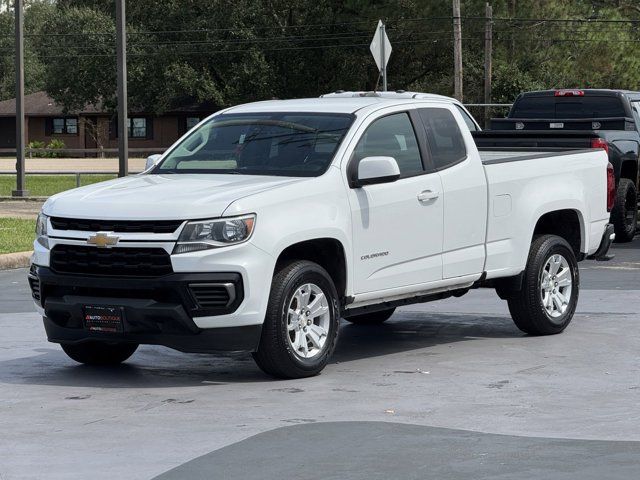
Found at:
(157, 310)
(605, 244)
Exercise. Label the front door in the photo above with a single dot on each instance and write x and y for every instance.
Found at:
(397, 227)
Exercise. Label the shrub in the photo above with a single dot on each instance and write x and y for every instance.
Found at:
(55, 144)
(36, 144)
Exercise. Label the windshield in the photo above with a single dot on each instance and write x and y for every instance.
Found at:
(568, 107)
(283, 143)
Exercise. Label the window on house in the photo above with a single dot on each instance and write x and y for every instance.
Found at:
(192, 122)
(58, 125)
(64, 126)
(137, 127)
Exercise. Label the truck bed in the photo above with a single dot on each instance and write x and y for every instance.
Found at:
(522, 184)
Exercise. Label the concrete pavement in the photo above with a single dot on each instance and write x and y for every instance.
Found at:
(445, 390)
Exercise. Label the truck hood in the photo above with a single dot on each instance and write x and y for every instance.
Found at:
(160, 197)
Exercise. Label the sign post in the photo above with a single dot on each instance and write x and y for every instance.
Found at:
(381, 50)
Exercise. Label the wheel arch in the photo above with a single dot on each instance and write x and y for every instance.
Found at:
(567, 224)
(629, 169)
(328, 252)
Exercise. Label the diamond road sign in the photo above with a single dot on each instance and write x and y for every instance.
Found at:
(380, 47)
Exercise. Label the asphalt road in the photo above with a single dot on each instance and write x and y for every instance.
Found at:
(447, 390)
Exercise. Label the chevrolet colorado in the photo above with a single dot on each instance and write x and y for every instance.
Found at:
(268, 222)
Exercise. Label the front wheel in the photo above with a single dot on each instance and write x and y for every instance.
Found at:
(300, 329)
(99, 353)
(547, 301)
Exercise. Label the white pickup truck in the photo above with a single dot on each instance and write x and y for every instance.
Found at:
(268, 222)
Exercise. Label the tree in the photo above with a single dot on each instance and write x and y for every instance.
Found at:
(223, 52)
(35, 13)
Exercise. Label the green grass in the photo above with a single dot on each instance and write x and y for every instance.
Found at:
(16, 235)
(47, 185)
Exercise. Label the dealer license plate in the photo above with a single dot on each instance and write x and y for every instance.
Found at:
(103, 318)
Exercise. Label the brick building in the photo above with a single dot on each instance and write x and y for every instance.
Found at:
(92, 128)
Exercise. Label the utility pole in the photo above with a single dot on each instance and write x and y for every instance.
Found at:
(123, 130)
(457, 50)
(513, 7)
(20, 190)
(488, 53)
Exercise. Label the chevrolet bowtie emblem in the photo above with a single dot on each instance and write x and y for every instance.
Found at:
(103, 240)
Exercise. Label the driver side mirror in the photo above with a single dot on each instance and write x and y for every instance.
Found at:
(152, 161)
(373, 170)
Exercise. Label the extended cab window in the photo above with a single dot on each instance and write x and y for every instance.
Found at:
(392, 136)
(467, 119)
(444, 137)
(279, 143)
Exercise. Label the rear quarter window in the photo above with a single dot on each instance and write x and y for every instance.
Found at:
(446, 143)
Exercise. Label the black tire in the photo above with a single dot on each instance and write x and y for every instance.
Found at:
(99, 353)
(275, 355)
(526, 306)
(371, 318)
(624, 215)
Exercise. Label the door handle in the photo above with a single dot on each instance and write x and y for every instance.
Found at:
(427, 195)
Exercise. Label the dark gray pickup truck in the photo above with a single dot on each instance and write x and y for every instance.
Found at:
(578, 119)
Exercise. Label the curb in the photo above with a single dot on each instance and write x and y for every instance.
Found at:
(22, 199)
(14, 260)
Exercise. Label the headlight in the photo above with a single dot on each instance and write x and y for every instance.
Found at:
(41, 230)
(221, 232)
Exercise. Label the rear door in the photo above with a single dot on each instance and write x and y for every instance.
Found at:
(397, 227)
(465, 190)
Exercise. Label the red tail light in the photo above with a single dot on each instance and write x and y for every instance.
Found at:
(569, 93)
(600, 143)
(611, 187)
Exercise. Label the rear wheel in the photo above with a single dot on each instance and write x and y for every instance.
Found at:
(624, 215)
(300, 329)
(99, 353)
(547, 301)
(372, 318)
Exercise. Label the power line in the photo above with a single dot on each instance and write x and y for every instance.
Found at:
(165, 51)
(390, 22)
(232, 29)
(222, 52)
(274, 40)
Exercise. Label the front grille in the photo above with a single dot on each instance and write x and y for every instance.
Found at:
(34, 283)
(213, 295)
(122, 226)
(126, 262)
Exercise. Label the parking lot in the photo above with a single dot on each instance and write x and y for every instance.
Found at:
(444, 390)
